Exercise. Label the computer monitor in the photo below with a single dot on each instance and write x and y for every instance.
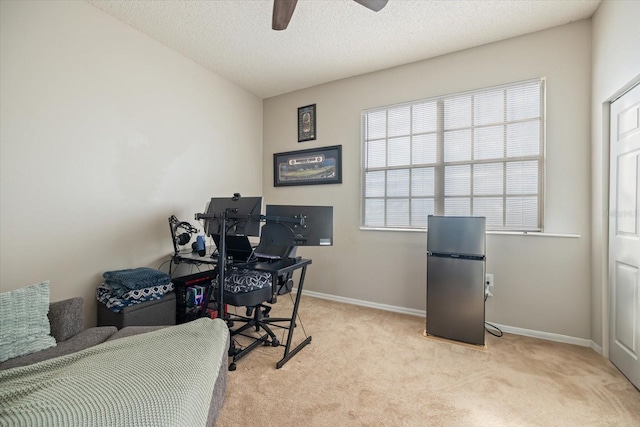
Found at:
(311, 225)
(242, 215)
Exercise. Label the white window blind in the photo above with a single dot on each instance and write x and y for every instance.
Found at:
(478, 153)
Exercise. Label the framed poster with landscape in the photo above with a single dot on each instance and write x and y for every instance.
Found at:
(307, 167)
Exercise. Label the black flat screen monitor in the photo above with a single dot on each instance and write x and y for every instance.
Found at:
(243, 216)
(311, 225)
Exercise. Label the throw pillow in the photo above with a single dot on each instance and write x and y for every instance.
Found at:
(24, 325)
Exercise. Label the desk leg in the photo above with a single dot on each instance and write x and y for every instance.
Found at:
(288, 354)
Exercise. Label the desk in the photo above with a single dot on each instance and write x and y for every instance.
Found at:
(277, 269)
(193, 258)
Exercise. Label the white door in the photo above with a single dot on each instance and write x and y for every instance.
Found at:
(624, 236)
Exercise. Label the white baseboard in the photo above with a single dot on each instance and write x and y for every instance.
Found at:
(598, 349)
(363, 303)
(422, 313)
(545, 335)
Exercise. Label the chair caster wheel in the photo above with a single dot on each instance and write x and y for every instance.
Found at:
(232, 367)
(275, 343)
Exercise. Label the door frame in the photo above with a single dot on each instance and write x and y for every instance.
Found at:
(606, 133)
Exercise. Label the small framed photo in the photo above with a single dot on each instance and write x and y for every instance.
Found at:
(308, 167)
(307, 123)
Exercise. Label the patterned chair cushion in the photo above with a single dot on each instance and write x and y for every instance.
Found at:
(240, 281)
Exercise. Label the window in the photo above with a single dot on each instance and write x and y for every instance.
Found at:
(478, 153)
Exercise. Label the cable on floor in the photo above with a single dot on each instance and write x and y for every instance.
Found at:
(488, 325)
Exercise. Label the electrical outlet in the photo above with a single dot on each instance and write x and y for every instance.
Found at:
(488, 285)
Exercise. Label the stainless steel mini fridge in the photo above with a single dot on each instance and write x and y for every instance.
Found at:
(456, 278)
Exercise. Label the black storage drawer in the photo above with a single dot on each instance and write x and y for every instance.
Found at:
(149, 313)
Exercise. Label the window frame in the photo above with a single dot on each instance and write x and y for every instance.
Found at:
(440, 165)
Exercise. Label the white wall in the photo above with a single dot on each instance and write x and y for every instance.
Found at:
(616, 65)
(105, 133)
(542, 283)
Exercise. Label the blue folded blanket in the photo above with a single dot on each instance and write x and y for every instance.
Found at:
(135, 278)
(115, 300)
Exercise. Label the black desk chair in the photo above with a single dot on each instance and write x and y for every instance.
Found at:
(253, 289)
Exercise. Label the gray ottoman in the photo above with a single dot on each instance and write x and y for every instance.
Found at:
(149, 313)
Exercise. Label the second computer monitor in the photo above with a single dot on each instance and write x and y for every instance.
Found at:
(311, 225)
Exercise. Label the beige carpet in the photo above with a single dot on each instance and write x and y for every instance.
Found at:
(366, 367)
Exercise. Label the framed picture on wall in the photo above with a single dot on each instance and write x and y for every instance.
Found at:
(307, 167)
(307, 123)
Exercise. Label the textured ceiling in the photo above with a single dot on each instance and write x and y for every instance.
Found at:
(331, 39)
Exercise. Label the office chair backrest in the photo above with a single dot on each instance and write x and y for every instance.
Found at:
(276, 241)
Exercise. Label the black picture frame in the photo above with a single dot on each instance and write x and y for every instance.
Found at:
(308, 167)
(307, 123)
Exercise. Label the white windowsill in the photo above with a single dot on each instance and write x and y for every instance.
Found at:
(535, 233)
(499, 233)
